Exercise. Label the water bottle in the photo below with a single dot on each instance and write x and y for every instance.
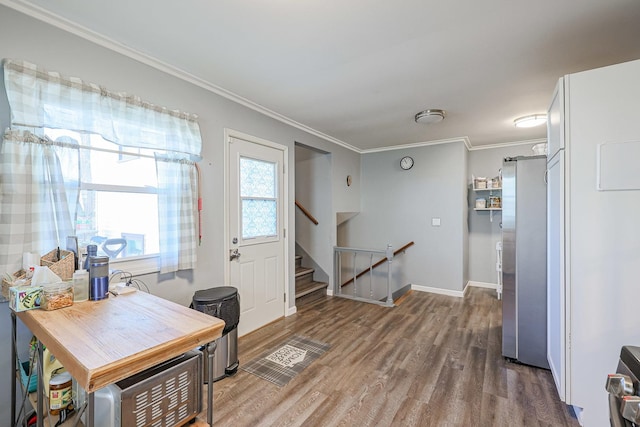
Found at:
(92, 250)
(98, 277)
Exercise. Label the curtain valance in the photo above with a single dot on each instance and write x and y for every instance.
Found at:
(43, 99)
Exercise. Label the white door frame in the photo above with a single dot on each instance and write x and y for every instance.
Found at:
(228, 134)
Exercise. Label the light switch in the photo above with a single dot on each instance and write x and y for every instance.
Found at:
(435, 222)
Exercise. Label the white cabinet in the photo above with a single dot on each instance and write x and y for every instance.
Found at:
(555, 121)
(557, 346)
(593, 256)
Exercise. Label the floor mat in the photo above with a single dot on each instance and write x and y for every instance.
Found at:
(283, 362)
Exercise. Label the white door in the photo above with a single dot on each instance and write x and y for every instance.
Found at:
(256, 243)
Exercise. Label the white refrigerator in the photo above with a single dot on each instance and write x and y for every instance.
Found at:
(593, 232)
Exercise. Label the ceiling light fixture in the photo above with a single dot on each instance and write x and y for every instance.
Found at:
(430, 116)
(530, 121)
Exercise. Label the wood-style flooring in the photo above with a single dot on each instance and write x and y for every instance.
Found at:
(431, 361)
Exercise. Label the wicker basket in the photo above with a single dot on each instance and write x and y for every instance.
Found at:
(63, 267)
(20, 274)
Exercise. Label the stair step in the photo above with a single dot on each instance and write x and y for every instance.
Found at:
(301, 271)
(298, 261)
(307, 288)
(304, 275)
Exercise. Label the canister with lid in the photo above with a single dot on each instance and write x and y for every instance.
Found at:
(57, 295)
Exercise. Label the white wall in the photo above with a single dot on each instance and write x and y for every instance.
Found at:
(22, 37)
(398, 205)
(313, 191)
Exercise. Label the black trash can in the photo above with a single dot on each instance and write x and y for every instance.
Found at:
(224, 303)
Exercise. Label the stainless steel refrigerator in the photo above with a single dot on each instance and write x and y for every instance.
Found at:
(524, 260)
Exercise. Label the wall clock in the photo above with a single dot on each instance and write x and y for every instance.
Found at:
(406, 163)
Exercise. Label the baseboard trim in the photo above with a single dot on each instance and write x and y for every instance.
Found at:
(400, 292)
(291, 311)
(482, 284)
(329, 292)
(448, 292)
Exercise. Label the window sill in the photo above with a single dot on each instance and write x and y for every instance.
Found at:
(137, 266)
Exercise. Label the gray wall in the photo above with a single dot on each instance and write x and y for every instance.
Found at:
(22, 37)
(484, 234)
(398, 205)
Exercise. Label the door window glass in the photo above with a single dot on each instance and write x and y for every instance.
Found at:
(258, 198)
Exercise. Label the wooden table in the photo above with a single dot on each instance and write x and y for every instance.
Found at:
(102, 342)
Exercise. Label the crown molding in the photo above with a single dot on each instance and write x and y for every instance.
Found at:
(508, 144)
(462, 139)
(64, 24)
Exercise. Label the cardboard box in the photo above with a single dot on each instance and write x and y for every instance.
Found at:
(22, 298)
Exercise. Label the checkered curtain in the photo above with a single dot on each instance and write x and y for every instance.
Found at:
(42, 99)
(34, 199)
(177, 206)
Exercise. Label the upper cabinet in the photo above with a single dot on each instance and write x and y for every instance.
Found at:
(555, 121)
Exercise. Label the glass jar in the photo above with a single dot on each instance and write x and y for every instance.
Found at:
(57, 295)
(59, 392)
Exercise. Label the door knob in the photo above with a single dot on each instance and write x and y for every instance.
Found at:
(233, 254)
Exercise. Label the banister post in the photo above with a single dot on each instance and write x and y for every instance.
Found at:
(389, 271)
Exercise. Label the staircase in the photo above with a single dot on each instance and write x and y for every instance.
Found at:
(305, 285)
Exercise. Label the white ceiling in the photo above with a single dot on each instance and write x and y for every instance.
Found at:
(358, 71)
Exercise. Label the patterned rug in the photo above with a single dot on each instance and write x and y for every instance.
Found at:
(280, 364)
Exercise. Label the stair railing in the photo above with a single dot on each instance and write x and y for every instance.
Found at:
(363, 272)
(356, 293)
(307, 213)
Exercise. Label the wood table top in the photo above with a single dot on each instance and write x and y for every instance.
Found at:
(102, 342)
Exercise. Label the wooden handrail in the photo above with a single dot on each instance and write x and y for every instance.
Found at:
(363, 272)
(306, 213)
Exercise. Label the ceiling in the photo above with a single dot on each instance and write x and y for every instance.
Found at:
(356, 72)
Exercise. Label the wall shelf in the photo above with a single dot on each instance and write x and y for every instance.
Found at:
(488, 193)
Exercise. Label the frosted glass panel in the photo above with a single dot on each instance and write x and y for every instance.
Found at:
(258, 191)
(259, 218)
(257, 178)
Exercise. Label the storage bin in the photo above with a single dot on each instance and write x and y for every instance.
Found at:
(480, 183)
(24, 377)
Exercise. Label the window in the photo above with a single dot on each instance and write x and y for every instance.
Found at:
(258, 186)
(117, 207)
(125, 175)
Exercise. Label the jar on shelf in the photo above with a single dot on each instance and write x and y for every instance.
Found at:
(495, 202)
(481, 203)
(59, 392)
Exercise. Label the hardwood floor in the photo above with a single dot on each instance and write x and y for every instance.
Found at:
(431, 361)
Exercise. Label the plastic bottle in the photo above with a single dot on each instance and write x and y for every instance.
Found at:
(80, 285)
